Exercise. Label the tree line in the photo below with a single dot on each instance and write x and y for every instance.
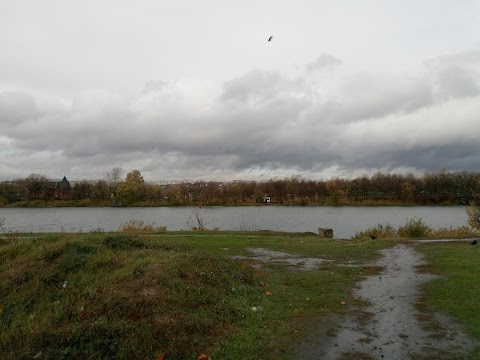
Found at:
(440, 188)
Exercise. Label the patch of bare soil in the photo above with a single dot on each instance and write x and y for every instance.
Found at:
(392, 327)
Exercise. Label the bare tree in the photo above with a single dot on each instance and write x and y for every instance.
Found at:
(115, 175)
(114, 178)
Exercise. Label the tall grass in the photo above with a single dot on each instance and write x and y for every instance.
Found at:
(140, 225)
(414, 228)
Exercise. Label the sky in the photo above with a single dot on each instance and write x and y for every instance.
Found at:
(192, 90)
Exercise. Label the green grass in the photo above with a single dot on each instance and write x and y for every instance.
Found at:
(130, 296)
(457, 291)
(137, 294)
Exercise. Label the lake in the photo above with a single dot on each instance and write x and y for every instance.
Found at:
(345, 221)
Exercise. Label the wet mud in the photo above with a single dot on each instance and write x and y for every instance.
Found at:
(391, 327)
(265, 256)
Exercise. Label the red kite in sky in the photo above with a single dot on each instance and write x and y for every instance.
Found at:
(270, 38)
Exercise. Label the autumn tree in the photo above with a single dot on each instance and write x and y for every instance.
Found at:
(153, 192)
(82, 190)
(100, 190)
(11, 191)
(35, 186)
(132, 189)
(175, 195)
(336, 189)
(407, 191)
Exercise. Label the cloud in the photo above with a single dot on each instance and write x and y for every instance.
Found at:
(457, 82)
(258, 125)
(322, 62)
(437, 136)
(369, 95)
(456, 75)
(17, 107)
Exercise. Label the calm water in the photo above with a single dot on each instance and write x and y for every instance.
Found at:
(345, 221)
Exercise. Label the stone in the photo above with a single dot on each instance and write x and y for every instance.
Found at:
(325, 233)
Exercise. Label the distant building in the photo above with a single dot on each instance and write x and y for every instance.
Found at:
(62, 189)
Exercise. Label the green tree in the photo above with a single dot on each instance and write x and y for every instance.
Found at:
(132, 189)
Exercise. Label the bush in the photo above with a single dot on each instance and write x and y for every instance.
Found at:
(414, 228)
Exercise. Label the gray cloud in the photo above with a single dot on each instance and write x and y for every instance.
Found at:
(256, 125)
(368, 95)
(322, 62)
(457, 82)
(17, 107)
(456, 75)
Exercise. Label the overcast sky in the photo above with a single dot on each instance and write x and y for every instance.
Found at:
(192, 89)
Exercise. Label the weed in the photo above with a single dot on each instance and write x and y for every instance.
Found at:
(198, 221)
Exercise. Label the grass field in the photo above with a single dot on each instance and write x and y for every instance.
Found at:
(131, 295)
(457, 291)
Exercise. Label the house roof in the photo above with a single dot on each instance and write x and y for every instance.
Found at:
(64, 184)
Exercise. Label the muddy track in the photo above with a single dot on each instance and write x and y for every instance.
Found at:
(391, 327)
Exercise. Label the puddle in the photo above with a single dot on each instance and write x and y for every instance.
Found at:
(390, 328)
(282, 258)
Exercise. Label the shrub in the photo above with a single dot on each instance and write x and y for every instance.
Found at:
(414, 228)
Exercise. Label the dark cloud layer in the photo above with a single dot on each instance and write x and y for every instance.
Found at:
(260, 124)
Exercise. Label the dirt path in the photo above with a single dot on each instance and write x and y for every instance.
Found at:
(391, 328)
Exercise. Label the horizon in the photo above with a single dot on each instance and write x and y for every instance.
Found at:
(298, 177)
